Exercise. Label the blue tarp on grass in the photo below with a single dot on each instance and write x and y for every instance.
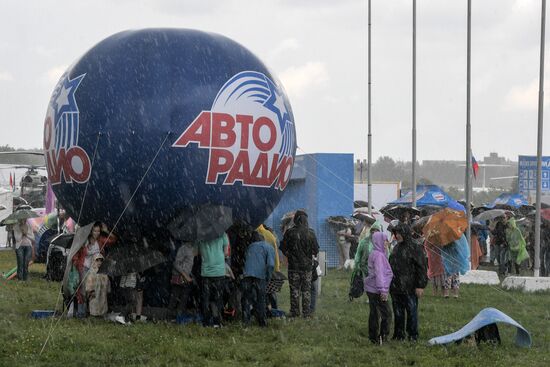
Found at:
(486, 317)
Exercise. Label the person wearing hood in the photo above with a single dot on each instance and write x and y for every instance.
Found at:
(97, 288)
(258, 268)
(408, 265)
(300, 245)
(516, 244)
(364, 248)
(377, 285)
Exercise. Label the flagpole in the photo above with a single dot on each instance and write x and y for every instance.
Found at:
(414, 108)
(468, 127)
(539, 142)
(369, 182)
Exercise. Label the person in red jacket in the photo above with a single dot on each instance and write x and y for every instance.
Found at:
(82, 260)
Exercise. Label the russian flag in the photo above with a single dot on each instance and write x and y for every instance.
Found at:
(475, 166)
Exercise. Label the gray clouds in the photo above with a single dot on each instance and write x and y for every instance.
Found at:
(318, 49)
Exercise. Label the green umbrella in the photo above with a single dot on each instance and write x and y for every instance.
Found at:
(20, 214)
(7, 222)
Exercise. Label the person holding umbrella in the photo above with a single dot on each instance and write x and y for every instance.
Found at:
(24, 249)
(408, 265)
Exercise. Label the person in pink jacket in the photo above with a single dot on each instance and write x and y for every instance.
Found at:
(377, 285)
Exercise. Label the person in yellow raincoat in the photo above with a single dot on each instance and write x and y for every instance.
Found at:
(270, 238)
(516, 243)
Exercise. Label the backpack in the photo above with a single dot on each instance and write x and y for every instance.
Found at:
(357, 286)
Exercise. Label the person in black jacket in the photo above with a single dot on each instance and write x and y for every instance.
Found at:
(299, 245)
(410, 277)
(499, 232)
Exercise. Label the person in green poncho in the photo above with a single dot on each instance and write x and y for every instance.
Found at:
(516, 243)
(364, 248)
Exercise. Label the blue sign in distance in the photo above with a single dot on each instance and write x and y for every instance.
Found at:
(527, 175)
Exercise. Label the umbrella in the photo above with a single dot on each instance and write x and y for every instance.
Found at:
(206, 222)
(341, 221)
(363, 214)
(478, 210)
(492, 214)
(124, 259)
(79, 239)
(428, 210)
(511, 200)
(478, 226)
(398, 211)
(429, 195)
(362, 204)
(7, 222)
(15, 217)
(287, 221)
(526, 209)
(18, 201)
(64, 240)
(445, 227)
(419, 224)
(544, 214)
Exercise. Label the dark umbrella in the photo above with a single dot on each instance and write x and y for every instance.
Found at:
(491, 214)
(544, 215)
(287, 221)
(418, 224)
(18, 201)
(341, 222)
(506, 207)
(526, 209)
(361, 204)
(124, 259)
(363, 215)
(398, 211)
(478, 210)
(64, 240)
(206, 222)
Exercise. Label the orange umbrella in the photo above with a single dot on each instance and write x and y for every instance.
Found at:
(445, 227)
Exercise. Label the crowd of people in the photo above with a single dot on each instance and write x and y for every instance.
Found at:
(398, 269)
(237, 274)
(393, 270)
(231, 276)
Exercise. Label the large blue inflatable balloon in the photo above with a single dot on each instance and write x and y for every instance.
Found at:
(153, 123)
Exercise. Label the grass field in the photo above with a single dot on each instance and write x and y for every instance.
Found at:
(336, 336)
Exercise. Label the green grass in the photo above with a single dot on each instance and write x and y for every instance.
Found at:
(336, 336)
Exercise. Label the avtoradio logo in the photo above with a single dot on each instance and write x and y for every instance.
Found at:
(66, 161)
(248, 132)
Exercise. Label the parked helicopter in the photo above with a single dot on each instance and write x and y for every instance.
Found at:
(33, 183)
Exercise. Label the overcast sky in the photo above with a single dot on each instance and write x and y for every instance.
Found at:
(318, 48)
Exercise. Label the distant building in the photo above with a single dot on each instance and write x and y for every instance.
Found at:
(493, 158)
